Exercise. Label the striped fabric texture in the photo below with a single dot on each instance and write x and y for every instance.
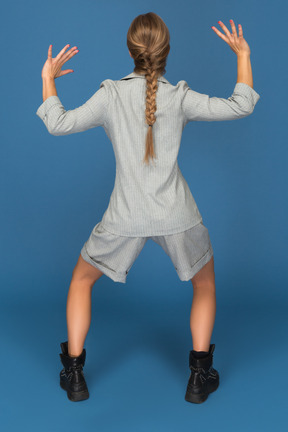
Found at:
(115, 255)
(154, 199)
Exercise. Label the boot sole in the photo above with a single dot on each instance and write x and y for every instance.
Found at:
(75, 396)
(200, 397)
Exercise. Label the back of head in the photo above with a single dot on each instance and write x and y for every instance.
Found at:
(148, 42)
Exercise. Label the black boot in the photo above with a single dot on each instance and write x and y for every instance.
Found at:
(71, 376)
(204, 379)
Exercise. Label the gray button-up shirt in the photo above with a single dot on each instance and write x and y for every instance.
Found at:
(154, 199)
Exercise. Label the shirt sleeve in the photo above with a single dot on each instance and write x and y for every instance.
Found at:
(91, 114)
(201, 107)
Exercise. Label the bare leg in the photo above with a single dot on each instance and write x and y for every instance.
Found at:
(78, 309)
(203, 308)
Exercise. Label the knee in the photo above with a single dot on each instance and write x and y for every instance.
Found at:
(204, 283)
(205, 277)
(85, 277)
(207, 286)
(79, 275)
(85, 272)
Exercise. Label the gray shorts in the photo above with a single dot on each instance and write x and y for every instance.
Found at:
(114, 255)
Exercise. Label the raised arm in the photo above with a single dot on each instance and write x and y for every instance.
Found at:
(59, 121)
(241, 48)
(201, 107)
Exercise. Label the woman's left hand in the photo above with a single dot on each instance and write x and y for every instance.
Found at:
(237, 43)
(52, 66)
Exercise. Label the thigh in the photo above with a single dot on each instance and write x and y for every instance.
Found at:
(189, 250)
(113, 254)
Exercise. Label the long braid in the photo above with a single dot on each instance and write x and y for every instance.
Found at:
(151, 106)
(148, 43)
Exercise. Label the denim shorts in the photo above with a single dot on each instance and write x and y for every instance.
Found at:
(114, 255)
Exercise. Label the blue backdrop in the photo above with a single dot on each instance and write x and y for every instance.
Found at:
(54, 189)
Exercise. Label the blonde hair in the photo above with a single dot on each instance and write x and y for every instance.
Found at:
(148, 41)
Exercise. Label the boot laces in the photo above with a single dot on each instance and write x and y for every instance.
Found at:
(77, 368)
(200, 369)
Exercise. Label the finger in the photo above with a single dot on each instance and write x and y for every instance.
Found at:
(50, 52)
(69, 54)
(66, 71)
(234, 31)
(224, 28)
(59, 55)
(240, 30)
(220, 34)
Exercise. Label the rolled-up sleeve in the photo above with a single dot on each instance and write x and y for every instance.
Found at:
(201, 107)
(91, 114)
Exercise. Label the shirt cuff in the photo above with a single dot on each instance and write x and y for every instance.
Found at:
(248, 91)
(46, 105)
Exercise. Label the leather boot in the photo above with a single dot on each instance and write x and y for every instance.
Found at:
(71, 376)
(204, 379)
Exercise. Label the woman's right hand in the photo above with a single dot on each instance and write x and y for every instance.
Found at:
(52, 66)
(237, 43)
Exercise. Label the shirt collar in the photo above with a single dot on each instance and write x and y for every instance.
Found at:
(135, 75)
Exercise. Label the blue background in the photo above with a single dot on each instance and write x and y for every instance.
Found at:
(55, 189)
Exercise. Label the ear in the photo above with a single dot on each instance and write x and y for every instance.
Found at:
(130, 54)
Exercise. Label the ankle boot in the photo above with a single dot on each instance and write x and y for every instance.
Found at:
(71, 376)
(204, 379)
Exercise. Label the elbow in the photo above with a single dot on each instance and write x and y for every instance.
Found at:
(251, 109)
(50, 126)
(54, 129)
(54, 132)
(243, 105)
(50, 130)
(57, 125)
(245, 113)
(57, 131)
(242, 112)
(248, 106)
(246, 110)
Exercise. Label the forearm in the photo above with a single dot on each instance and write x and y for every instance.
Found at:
(244, 69)
(49, 88)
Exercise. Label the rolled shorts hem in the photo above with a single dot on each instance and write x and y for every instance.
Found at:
(111, 274)
(188, 275)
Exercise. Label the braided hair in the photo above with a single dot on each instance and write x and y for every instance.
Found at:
(151, 107)
(148, 42)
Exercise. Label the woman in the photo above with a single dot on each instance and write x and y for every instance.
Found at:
(143, 115)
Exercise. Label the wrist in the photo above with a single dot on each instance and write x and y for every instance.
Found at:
(244, 54)
(48, 78)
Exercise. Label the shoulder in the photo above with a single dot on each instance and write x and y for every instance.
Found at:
(106, 87)
(106, 83)
(183, 86)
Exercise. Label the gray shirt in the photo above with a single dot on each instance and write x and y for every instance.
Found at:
(154, 199)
